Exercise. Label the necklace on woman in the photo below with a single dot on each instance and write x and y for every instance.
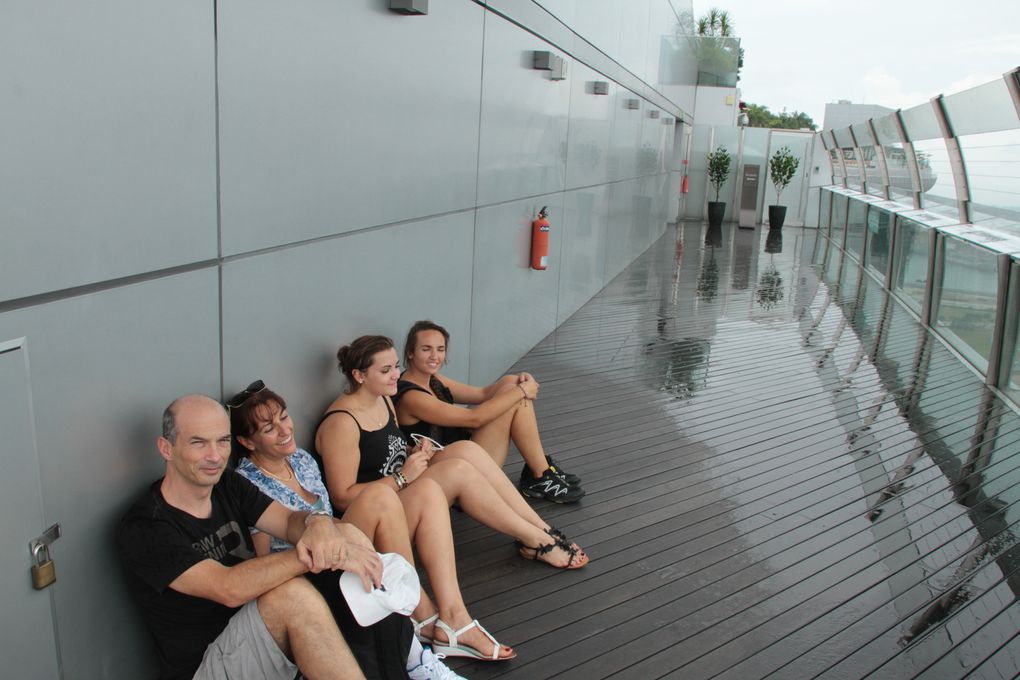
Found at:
(286, 465)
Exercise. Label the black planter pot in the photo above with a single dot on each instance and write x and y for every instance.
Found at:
(777, 215)
(716, 210)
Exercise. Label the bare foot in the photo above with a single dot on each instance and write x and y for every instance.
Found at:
(475, 639)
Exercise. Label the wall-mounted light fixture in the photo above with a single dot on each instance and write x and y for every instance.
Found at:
(632, 104)
(555, 65)
(409, 6)
(654, 113)
(600, 87)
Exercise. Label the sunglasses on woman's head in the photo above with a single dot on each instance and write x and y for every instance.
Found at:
(238, 399)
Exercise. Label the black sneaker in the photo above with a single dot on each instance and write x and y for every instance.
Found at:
(572, 480)
(549, 486)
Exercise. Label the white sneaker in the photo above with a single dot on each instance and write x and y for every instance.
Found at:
(431, 667)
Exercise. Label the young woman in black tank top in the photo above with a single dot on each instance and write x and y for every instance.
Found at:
(363, 428)
(502, 411)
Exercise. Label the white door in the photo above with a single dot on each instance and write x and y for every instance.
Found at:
(27, 637)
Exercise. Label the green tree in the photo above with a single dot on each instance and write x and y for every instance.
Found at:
(760, 116)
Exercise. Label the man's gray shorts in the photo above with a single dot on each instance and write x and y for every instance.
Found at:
(245, 649)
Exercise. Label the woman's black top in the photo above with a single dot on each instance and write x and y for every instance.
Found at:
(443, 435)
(383, 451)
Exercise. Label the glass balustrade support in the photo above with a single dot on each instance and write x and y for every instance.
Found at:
(1011, 326)
(956, 163)
(997, 351)
(1012, 79)
(911, 158)
(936, 267)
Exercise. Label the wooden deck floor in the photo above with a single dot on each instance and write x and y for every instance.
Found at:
(786, 477)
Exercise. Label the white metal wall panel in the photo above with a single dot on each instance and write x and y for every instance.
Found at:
(591, 129)
(108, 145)
(522, 151)
(583, 245)
(103, 367)
(334, 119)
(512, 305)
(283, 321)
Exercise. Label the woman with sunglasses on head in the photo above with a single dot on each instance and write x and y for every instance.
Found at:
(362, 447)
(266, 453)
(502, 412)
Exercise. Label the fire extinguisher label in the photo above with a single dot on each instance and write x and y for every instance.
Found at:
(544, 261)
(545, 228)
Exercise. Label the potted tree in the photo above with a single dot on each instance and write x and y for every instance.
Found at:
(782, 168)
(718, 173)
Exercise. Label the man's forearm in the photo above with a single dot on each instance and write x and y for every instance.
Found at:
(251, 578)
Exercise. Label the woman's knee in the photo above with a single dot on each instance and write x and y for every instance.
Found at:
(452, 467)
(376, 499)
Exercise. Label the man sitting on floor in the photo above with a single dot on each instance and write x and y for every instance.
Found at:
(214, 608)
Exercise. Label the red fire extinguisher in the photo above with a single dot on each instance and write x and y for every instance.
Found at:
(684, 185)
(540, 241)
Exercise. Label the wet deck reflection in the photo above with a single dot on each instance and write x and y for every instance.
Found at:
(787, 477)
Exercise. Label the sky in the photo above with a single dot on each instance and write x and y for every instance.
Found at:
(801, 54)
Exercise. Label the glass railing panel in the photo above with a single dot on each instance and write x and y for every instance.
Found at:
(837, 169)
(824, 205)
(854, 179)
(872, 173)
(938, 189)
(910, 263)
(887, 130)
(838, 227)
(843, 138)
(862, 134)
(877, 259)
(856, 226)
(920, 123)
(717, 60)
(992, 160)
(1013, 360)
(965, 314)
(900, 184)
(985, 108)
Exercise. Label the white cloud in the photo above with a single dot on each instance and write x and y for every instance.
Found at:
(879, 86)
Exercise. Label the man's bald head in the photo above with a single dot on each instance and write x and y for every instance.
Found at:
(184, 404)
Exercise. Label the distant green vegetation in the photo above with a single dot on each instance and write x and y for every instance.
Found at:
(760, 116)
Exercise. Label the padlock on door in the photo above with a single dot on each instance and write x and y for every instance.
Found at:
(44, 573)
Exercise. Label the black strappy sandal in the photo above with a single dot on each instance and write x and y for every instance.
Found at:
(576, 560)
(560, 536)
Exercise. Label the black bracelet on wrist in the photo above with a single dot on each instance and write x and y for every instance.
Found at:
(399, 478)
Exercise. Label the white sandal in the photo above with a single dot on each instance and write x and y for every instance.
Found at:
(451, 648)
(424, 639)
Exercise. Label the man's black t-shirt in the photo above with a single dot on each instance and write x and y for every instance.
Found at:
(157, 543)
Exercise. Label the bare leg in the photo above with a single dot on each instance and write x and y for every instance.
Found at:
(499, 482)
(379, 513)
(462, 481)
(428, 520)
(520, 425)
(301, 624)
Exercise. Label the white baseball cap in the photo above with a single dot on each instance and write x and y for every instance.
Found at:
(399, 592)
